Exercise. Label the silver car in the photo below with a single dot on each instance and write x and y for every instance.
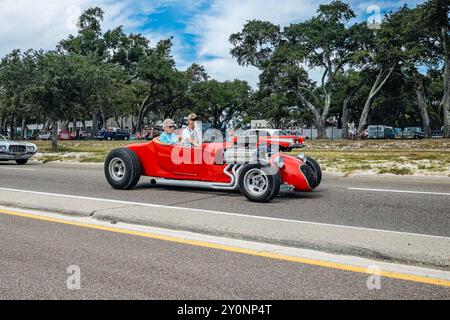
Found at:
(16, 151)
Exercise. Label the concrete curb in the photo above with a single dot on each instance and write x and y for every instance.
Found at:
(421, 250)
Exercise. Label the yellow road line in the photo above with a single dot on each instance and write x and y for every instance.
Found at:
(313, 262)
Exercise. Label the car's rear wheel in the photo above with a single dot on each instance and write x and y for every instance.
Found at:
(313, 164)
(259, 183)
(122, 169)
(22, 161)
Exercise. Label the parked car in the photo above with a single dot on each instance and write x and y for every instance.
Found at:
(438, 134)
(16, 151)
(398, 132)
(83, 135)
(66, 135)
(224, 166)
(44, 135)
(381, 132)
(413, 133)
(112, 134)
(284, 141)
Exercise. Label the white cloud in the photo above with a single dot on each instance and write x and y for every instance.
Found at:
(35, 24)
(227, 68)
(229, 16)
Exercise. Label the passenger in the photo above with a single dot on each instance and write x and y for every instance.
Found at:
(168, 136)
(190, 137)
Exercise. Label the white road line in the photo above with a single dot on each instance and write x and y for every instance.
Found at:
(20, 169)
(219, 213)
(401, 191)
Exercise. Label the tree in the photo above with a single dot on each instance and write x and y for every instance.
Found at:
(157, 70)
(415, 53)
(17, 72)
(434, 22)
(89, 40)
(378, 57)
(325, 41)
(220, 102)
(346, 86)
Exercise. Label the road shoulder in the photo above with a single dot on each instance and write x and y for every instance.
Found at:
(381, 245)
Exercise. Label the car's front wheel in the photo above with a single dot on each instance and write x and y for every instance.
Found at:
(314, 165)
(122, 169)
(259, 183)
(22, 161)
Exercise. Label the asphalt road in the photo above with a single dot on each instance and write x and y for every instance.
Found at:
(333, 203)
(36, 256)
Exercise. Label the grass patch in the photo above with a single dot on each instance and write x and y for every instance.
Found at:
(401, 157)
(396, 171)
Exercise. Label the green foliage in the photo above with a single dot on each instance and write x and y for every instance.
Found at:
(114, 74)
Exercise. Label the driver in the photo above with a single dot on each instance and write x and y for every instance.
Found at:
(190, 135)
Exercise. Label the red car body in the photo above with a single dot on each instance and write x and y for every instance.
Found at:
(66, 135)
(258, 172)
(284, 142)
(205, 167)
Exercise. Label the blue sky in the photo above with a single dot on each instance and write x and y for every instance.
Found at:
(200, 27)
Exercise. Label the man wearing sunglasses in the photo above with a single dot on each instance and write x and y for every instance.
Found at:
(168, 136)
(190, 137)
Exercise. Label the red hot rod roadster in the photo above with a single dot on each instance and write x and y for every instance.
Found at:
(258, 173)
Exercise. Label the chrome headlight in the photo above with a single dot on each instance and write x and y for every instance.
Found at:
(279, 162)
(302, 156)
(3, 148)
(31, 148)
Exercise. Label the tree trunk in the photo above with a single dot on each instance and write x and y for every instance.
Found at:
(446, 100)
(12, 128)
(345, 118)
(318, 119)
(321, 129)
(142, 113)
(94, 124)
(2, 126)
(133, 125)
(54, 135)
(22, 133)
(422, 102)
(105, 120)
(377, 86)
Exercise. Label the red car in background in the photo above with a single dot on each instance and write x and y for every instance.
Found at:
(284, 141)
(66, 135)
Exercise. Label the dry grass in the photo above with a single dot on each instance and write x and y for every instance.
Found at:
(78, 151)
(400, 157)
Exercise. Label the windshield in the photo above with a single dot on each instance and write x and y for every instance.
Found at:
(279, 133)
(2, 138)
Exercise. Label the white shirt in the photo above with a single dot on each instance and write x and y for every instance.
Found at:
(189, 134)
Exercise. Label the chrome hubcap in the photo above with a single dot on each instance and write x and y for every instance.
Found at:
(256, 182)
(117, 169)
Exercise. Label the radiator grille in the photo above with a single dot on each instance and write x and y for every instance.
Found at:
(17, 149)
